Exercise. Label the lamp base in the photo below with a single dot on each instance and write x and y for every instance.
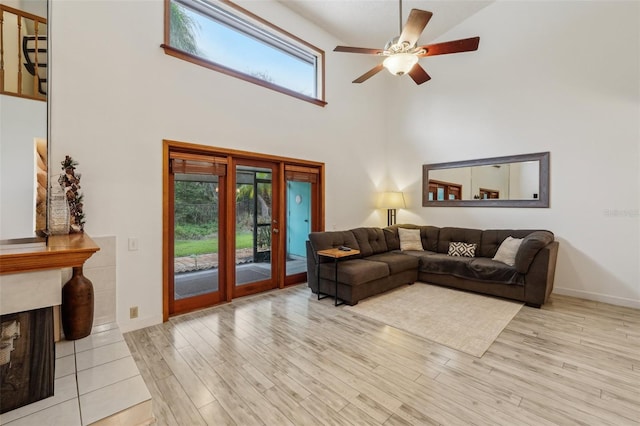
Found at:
(391, 217)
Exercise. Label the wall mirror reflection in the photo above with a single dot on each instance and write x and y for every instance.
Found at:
(511, 181)
(23, 117)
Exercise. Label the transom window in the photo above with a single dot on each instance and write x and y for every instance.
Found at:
(222, 36)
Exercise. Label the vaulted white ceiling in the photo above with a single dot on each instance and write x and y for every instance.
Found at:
(371, 23)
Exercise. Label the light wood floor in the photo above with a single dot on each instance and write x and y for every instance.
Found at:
(283, 358)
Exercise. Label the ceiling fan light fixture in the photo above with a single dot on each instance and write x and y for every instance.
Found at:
(400, 63)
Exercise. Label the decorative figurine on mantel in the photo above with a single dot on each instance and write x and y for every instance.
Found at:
(70, 181)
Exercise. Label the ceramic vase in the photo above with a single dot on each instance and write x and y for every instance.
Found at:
(77, 306)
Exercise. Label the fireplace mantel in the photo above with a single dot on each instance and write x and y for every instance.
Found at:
(62, 251)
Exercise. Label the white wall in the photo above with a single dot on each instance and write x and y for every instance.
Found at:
(115, 95)
(548, 76)
(22, 120)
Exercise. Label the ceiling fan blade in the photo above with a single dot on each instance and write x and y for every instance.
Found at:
(367, 75)
(455, 46)
(418, 74)
(416, 22)
(364, 50)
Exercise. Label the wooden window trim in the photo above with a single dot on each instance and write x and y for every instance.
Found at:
(188, 57)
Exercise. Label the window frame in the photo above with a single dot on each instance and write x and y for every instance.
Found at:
(261, 25)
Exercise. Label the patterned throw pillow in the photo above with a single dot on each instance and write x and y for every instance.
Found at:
(410, 239)
(462, 249)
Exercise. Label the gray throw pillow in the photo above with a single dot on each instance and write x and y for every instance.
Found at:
(410, 239)
(507, 251)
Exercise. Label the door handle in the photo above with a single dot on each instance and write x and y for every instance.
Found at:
(275, 230)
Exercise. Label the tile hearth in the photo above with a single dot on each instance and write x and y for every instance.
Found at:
(97, 382)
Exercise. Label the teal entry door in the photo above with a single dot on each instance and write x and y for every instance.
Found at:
(298, 225)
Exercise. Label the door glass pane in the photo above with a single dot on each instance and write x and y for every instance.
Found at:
(253, 224)
(195, 235)
(298, 225)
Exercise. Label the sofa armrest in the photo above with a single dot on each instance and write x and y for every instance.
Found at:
(331, 239)
(539, 279)
(531, 245)
(312, 265)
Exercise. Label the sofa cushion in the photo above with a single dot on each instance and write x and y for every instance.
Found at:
(428, 234)
(492, 238)
(474, 268)
(370, 241)
(410, 239)
(530, 246)
(443, 264)
(462, 249)
(507, 251)
(354, 271)
(464, 235)
(417, 254)
(397, 262)
(331, 239)
(484, 269)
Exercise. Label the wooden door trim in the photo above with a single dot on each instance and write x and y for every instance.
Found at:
(281, 272)
(230, 243)
(166, 228)
(188, 147)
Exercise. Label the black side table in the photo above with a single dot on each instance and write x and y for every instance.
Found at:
(337, 255)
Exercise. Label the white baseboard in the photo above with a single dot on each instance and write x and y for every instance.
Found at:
(598, 297)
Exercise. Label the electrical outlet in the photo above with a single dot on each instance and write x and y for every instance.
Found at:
(133, 312)
(133, 244)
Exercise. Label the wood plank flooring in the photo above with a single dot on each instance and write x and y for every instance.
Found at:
(284, 358)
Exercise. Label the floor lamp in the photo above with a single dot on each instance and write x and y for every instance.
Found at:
(391, 201)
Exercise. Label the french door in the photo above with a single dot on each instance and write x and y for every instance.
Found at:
(302, 199)
(235, 224)
(256, 226)
(197, 213)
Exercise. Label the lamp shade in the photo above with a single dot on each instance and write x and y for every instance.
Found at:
(400, 63)
(391, 200)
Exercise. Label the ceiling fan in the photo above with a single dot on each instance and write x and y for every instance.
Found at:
(402, 53)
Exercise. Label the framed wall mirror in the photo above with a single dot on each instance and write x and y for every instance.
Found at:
(511, 181)
(24, 147)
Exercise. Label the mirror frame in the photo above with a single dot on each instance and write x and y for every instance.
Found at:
(543, 185)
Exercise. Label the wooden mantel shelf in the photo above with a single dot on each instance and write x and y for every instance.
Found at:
(62, 251)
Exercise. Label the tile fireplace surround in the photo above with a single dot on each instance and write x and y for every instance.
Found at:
(96, 379)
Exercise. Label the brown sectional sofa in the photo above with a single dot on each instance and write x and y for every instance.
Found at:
(382, 266)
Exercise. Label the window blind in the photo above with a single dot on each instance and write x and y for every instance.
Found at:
(197, 164)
